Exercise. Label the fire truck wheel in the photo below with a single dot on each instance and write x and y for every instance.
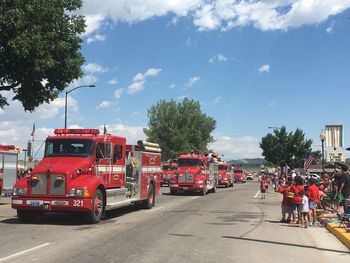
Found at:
(94, 216)
(27, 215)
(214, 190)
(149, 202)
(173, 192)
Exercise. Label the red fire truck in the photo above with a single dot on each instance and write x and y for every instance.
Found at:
(195, 174)
(225, 174)
(169, 171)
(8, 167)
(86, 172)
(239, 175)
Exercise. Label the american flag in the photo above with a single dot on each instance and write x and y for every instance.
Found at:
(308, 161)
(105, 133)
(33, 131)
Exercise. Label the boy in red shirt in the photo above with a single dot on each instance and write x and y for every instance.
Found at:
(286, 203)
(314, 197)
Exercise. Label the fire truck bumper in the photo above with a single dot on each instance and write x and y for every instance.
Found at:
(189, 188)
(52, 205)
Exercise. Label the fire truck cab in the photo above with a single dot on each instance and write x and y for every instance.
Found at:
(239, 175)
(83, 171)
(196, 174)
(8, 167)
(169, 171)
(225, 174)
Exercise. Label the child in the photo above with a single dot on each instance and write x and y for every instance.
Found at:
(304, 209)
(263, 187)
(286, 206)
(313, 198)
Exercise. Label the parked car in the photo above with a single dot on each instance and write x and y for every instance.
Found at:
(250, 177)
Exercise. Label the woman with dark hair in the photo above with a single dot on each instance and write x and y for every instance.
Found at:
(296, 199)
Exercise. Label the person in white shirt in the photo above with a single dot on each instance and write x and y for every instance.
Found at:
(305, 211)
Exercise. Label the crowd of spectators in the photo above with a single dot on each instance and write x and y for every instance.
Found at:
(302, 194)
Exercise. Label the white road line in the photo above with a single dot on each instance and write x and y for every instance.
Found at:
(195, 197)
(257, 193)
(23, 252)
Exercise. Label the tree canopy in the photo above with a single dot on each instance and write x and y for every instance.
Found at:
(281, 147)
(179, 127)
(39, 49)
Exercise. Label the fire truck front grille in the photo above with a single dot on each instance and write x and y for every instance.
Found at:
(39, 186)
(57, 184)
(185, 178)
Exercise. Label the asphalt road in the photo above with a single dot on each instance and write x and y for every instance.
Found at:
(228, 226)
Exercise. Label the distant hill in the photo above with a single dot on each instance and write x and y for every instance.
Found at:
(248, 162)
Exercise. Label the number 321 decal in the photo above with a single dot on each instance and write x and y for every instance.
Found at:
(78, 203)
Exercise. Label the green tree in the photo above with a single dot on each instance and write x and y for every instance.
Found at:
(39, 49)
(179, 127)
(281, 147)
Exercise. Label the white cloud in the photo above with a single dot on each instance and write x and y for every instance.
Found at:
(236, 148)
(192, 81)
(112, 82)
(264, 68)
(96, 38)
(330, 28)
(118, 93)
(217, 100)
(218, 57)
(104, 104)
(131, 133)
(139, 80)
(94, 68)
(216, 14)
(86, 80)
(172, 86)
(93, 22)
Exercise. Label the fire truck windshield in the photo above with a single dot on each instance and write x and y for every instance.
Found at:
(68, 148)
(169, 168)
(190, 162)
(222, 167)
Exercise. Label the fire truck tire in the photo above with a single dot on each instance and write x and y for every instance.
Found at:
(173, 192)
(149, 202)
(94, 216)
(27, 215)
(213, 190)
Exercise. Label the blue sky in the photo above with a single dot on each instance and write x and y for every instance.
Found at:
(251, 64)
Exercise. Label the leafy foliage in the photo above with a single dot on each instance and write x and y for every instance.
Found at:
(282, 147)
(179, 127)
(39, 49)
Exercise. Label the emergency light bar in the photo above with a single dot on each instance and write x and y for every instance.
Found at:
(77, 131)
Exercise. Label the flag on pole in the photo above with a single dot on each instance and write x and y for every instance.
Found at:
(308, 161)
(105, 133)
(33, 131)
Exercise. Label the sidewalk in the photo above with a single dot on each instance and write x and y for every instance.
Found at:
(342, 233)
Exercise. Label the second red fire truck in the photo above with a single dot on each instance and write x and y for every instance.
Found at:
(170, 169)
(83, 171)
(225, 174)
(195, 174)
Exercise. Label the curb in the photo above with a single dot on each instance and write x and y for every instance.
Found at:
(340, 233)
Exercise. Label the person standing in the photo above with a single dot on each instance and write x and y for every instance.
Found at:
(344, 186)
(263, 187)
(296, 200)
(304, 209)
(314, 197)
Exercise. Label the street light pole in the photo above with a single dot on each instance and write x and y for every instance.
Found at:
(65, 104)
(322, 137)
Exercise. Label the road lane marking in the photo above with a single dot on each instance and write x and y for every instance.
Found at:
(23, 252)
(257, 193)
(195, 197)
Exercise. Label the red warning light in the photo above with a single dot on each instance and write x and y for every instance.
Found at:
(77, 131)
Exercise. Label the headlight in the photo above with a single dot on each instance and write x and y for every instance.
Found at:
(19, 191)
(200, 182)
(76, 192)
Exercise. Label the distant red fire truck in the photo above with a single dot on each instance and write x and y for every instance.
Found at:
(225, 174)
(90, 173)
(195, 174)
(239, 175)
(8, 167)
(170, 170)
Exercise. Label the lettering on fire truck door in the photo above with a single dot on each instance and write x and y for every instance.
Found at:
(118, 174)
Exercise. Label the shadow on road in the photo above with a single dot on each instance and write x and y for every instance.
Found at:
(286, 244)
